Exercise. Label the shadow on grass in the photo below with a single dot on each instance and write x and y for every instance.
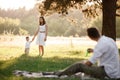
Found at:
(33, 64)
(75, 52)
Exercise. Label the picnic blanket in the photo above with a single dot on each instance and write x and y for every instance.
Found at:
(48, 75)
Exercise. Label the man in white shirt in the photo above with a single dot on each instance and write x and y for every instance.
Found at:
(107, 55)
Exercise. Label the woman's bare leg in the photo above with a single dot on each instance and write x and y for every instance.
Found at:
(41, 50)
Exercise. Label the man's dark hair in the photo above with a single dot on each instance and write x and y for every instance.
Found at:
(93, 32)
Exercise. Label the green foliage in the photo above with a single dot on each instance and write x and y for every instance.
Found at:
(29, 24)
(22, 32)
(26, 22)
(71, 31)
(70, 25)
(118, 27)
(11, 21)
(8, 25)
(97, 22)
(57, 26)
(90, 8)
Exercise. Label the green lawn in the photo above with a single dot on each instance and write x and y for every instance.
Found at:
(55, 58)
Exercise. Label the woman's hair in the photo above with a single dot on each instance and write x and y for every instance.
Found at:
(27, 37)
(44, 22)
(93, 32)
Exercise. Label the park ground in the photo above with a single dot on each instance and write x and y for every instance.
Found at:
(60, 52)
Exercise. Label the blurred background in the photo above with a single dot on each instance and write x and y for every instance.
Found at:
(19, 18)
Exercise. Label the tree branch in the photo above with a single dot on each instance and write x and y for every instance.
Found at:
(117, 14)
(118, 7)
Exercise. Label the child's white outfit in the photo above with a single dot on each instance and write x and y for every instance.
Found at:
(41, 35)
(27, 47)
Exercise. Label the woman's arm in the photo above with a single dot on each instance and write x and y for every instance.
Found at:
(35, 34)
(46, 32)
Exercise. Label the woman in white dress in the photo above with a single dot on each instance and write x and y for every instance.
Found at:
(41, 34)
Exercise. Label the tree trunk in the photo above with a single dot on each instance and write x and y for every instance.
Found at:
(109, 18)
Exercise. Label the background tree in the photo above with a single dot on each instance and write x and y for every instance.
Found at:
(22, 22)
(109, 18)
(18, 21)
(98, 22)
(91, 8)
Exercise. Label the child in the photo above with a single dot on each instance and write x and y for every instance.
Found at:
(27, 45)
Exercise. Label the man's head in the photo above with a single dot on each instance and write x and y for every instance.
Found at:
(93, 33)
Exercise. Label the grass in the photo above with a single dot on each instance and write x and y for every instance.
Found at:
(55, 58)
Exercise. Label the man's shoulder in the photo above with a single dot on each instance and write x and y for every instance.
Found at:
(106, 38)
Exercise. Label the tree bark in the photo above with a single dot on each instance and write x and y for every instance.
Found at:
(109, 18)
